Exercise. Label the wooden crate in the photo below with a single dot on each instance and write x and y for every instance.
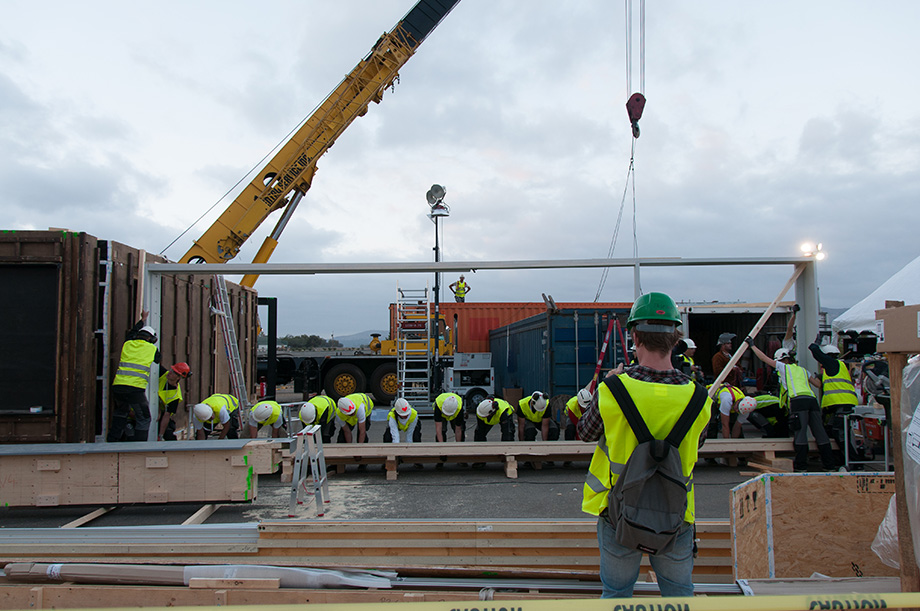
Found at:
(787, 525)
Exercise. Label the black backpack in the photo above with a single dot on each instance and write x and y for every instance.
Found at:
(648, 503)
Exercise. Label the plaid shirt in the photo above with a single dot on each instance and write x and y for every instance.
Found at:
(591, 425)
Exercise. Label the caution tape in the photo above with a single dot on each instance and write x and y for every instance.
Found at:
(897, 600)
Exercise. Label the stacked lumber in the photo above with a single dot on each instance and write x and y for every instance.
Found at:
(517, 548)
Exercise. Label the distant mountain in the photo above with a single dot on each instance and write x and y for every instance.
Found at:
(358, 340)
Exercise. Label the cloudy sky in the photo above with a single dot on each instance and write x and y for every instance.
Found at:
(768, 123)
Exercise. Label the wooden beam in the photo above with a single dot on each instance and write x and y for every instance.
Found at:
(201, 515)
(88, 517)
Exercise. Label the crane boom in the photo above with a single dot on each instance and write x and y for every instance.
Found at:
(291, 170)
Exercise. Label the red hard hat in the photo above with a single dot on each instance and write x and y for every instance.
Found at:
(181, 369)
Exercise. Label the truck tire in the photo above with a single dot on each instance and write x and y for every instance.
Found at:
(344, 379)
(385, 383)
(473, 398)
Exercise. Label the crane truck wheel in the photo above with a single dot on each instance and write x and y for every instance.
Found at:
(344, 379)
(385, 383)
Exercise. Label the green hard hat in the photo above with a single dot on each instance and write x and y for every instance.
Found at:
(654, 306)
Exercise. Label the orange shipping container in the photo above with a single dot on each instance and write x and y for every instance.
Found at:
(473, 321)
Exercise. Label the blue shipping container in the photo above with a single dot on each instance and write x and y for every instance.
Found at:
(555, 352)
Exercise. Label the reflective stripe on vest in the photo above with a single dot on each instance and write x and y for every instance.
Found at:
(168, 395)
(838, 389)
(461, 289)
(134, 367)
(660, 405)
(217, 402)
(795, 380)
(529, 413)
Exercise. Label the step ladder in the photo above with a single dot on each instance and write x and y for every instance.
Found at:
(413, 338)
(224, 315)
(307, 450)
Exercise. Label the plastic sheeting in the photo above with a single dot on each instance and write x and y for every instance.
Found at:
(903, 286)
(290, 577)
(910, 440)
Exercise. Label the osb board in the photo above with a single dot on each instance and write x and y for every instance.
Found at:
(815, 522)
(749, 530)
(171, 477)
(58, 480)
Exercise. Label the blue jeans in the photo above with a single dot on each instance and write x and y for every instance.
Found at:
(620, 565)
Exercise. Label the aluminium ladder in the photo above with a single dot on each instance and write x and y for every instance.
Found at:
(413, 338)
(232, 349)
(307, 450)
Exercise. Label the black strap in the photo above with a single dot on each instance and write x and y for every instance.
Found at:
(637, 424)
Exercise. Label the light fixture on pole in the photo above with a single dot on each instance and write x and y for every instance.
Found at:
(435, 197)
(810, 249)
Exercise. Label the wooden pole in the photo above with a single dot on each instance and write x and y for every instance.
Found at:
(714, 389)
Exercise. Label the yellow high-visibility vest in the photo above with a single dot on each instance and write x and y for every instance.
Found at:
(660, 405)
(134, 366)
(838, 389)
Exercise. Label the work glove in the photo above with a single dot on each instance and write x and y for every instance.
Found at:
(749, 340)
(796, 307)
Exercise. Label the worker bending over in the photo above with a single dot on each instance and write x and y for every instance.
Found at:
(531, 413)
(217, 409)
(658, 395)
(838, 394)
(354, 412)
(769, 417)
(729, 399)
(573, 410)
(448, 416)
(491, 412)
(320, 410)
(402, 421)
(267, 413)
(170, 395)
(129, 388)
(804, 412)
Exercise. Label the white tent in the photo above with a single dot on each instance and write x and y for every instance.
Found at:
(903, 286)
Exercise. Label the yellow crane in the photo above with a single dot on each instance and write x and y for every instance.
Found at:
(285, 179)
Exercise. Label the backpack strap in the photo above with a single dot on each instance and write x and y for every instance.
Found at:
(688, 417)
(629, 409)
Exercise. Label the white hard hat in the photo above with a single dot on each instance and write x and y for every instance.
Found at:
(262, 411)
(780, 354)
(203, 412)
(747, 405)
(830, 349)
(584, 397)
(484, 409)
(307, 413)
(689, 342)
(450, 406)
(347, 406)
(402, 408)
(538, 401)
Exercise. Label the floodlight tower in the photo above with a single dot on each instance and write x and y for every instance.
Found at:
(439, 209)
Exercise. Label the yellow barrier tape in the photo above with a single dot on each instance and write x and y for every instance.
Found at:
(896, 600)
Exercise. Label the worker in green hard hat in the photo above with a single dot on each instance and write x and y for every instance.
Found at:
(652, 392)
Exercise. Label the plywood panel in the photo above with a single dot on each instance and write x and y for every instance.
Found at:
(749, 530)
(826, 524)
